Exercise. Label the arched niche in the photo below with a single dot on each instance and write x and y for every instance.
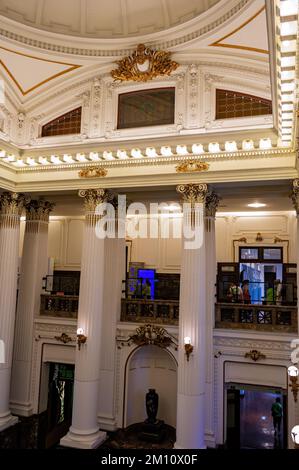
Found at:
(150, 367)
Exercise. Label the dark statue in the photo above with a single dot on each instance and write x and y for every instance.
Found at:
(151, 401)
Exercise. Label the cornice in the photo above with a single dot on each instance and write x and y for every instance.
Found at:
(160, 160)
(167, 39)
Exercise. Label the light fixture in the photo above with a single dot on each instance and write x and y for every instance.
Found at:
(43, 161)
(81, 157)
(122, 154)
(166, 151)
(288, 28)
(265, 143)
(181, 150)
(214, 147)
(68, 158)
(136, 153)
(230, 146)
(295, 436)
(288, 8)
(256, 205)
(81, 338)
(188, 346)
(151, 152)
(56, 160)
(197, 148)
(247, 144)
(108, 155)
(94, 156)
(293, 374)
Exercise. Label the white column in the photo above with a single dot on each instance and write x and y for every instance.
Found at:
(190, 429)
(84, 432)
(33, 269)
(212, 201)
(11, 205)
(114, 274)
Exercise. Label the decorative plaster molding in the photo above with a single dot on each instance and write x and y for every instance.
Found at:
(143, 65)
(100, 48)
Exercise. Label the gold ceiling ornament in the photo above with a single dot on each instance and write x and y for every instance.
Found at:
(143, 65)
(255, 355)
(93, 172)
(192, 166)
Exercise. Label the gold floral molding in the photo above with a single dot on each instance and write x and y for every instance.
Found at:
(255, 355)
(192, 166)
(64, 338)
(143, 65)
(151, 334)
(93, 172)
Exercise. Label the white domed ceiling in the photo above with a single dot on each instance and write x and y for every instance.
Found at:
(103, 18)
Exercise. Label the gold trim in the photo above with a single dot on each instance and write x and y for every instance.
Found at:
(255, 355)
(64, 338)
(143, 65)
(191, 167)
(93, 172)
(235, 46)
(25, 92)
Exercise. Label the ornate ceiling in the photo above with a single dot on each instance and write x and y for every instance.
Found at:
(104, 18)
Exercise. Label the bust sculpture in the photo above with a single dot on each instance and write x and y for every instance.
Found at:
(151, 401)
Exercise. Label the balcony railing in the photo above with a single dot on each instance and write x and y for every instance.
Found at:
(150, 311)
(59, 305)
(257, 317)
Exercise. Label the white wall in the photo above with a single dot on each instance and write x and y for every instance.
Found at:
(65, 240)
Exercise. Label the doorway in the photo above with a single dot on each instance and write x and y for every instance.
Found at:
(249, 423)
(60, 402)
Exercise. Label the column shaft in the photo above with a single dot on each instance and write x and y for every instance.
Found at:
(192, 323)
(84, 432)
(33, 269)
(11, 205)
(114, 274)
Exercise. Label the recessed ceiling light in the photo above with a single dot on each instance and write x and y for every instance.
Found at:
(256, 205)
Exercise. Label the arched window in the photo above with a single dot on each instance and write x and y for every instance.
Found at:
(68, 123)
(232, 104)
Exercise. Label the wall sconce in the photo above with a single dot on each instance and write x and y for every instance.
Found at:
(295, 436)
(293, 374)
(81, 338)
(188, 346)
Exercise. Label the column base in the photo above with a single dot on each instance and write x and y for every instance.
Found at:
(21, 409)
(210, 439)
(8, 421)
(81, 441)
(108, 423)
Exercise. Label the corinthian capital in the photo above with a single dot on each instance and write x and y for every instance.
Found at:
(39, 210)
(295, 195)
(93, 197)
(193, 193)
(212, 201)
(12, 203)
